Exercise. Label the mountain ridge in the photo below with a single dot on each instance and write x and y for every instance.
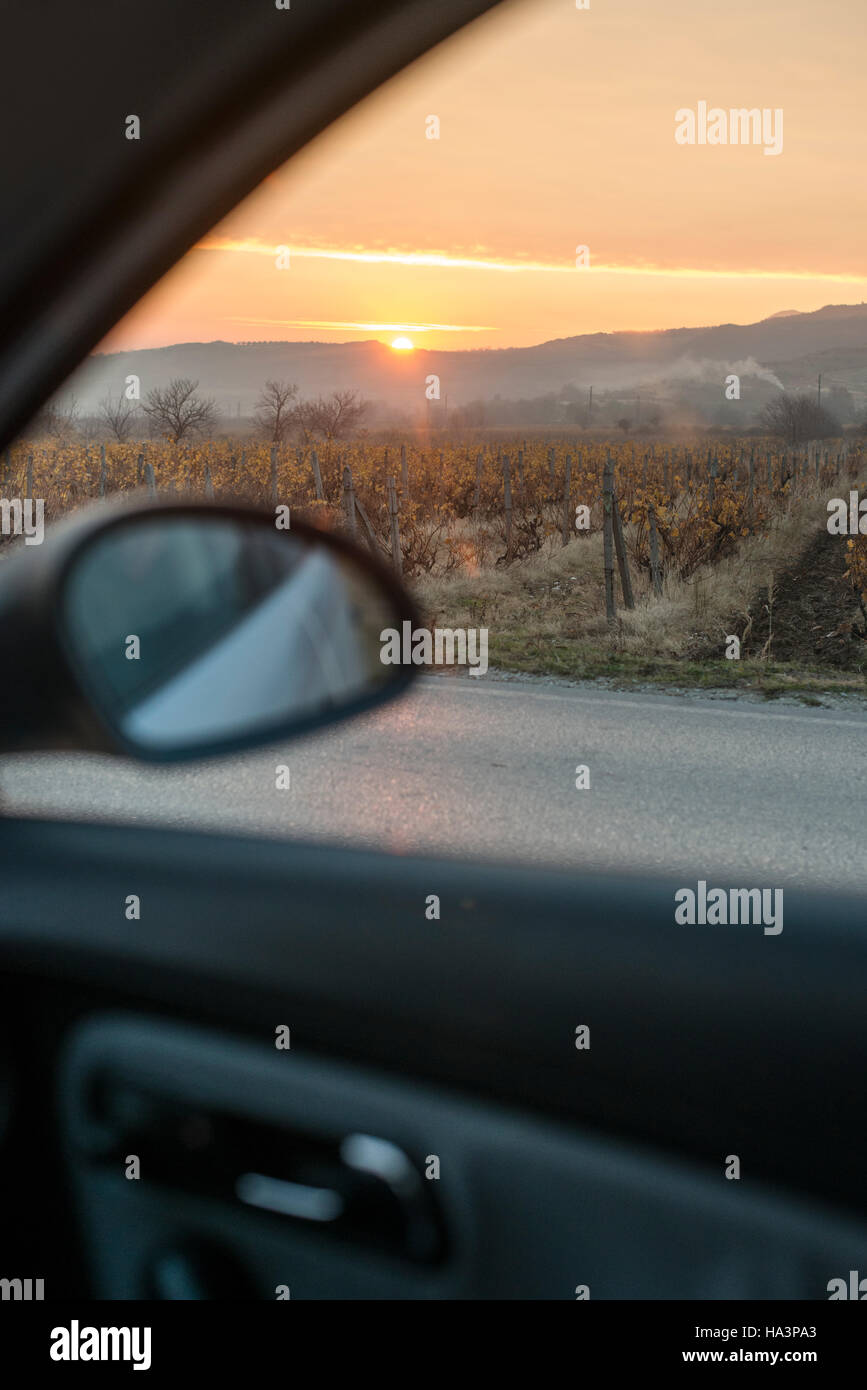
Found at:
(783, 350)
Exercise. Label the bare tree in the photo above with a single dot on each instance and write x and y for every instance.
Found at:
(58, 421)
(90, 428)
(119, 415)
(304, 420)
(796, 417)
(332, 417)
(177, 410)
(274, 409)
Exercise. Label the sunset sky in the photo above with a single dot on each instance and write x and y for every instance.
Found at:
(557, 130)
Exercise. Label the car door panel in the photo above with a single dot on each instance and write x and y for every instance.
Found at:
(478, 1013)
(527, 1209)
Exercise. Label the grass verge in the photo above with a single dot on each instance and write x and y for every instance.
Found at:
(576, 660)
(783, 593)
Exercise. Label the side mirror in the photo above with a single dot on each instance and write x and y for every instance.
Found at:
(185, 631)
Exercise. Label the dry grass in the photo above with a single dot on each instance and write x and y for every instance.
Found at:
(547, 613)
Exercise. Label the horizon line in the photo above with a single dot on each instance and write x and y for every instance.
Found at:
(529, 347)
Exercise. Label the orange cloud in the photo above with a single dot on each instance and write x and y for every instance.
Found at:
(252, 247)
(370, 327)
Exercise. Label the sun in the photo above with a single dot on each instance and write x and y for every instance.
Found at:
(402, 345)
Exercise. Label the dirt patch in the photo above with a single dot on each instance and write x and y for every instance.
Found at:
(813, 617)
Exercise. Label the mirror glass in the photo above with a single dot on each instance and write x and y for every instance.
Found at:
(195, 631)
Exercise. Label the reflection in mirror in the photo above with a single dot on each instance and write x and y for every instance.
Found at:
(204, 629)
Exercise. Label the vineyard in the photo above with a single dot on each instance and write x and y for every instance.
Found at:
(466, 522)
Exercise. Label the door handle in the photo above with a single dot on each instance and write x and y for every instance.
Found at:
(362, 1187)
(364, 1167)
(384, 1161)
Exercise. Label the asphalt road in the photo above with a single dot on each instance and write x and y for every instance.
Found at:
(770, 793)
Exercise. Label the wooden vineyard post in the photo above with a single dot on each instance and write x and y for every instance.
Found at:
(521, 474)
(209, 483)
(608, 540)
(477, 496)
(368, 529)
(567, 500)
(150, 479)
(273, 474)
(317, 475)
(103, 471)
(711, 487)
(404, 473)
(349, 500)
(139, 470)
(551, 468)
(394, 526)
(655, 571)
(507, 500)
(620, 548)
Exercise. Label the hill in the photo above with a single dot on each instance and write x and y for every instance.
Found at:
(786, 350)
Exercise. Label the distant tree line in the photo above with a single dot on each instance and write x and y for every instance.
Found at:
(280, 414)
(180, 412)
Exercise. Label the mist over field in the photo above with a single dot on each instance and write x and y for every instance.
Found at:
(658, 379)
